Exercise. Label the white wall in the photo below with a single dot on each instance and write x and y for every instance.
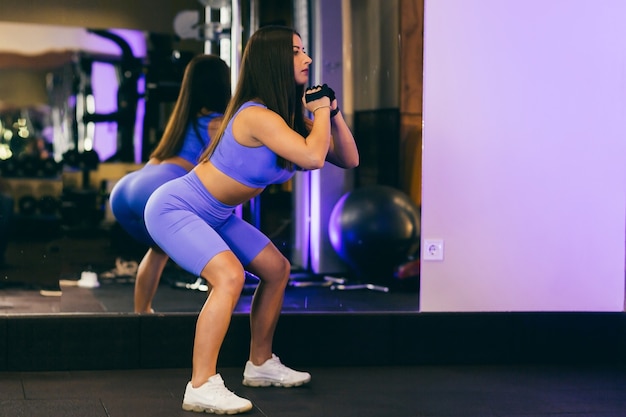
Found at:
(524, 146)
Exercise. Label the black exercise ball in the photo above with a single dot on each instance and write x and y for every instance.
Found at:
(374, 229)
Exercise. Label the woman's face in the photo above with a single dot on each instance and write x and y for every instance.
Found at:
(301, 61)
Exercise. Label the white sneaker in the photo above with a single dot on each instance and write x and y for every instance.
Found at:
(273, 372)
(88, 279)
(214, 397)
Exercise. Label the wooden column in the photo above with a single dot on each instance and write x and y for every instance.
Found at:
(411, 83)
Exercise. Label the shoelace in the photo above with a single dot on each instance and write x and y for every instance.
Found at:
(276, 364)
(224, 392)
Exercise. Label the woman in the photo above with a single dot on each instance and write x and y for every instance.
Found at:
(204, 94)
(263, 138)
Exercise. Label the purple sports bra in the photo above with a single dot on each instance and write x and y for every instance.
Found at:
(255, 167)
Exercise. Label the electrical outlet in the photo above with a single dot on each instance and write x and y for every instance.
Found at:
(432, 250)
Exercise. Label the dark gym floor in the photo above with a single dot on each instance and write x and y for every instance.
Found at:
(436, 391)
(118, 298)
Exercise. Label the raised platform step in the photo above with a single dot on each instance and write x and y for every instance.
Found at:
(130, 341)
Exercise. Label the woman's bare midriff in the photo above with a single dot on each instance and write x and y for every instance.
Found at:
(224, 188)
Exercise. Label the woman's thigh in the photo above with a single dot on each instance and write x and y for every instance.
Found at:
(245, 240)
(179, 229)
(254, 250)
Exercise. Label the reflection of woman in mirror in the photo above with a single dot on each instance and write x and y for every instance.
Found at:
(204, 94)
(262, 140)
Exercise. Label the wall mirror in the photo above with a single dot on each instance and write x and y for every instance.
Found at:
(82, 106)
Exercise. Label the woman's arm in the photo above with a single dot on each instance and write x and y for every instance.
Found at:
(256, 126)
(342, 150)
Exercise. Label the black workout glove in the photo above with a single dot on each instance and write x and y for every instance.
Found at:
(324, 91)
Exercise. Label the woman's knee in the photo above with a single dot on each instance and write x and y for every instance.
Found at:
(225, 273)
(271, 266)
(230, 282)
(284, 268)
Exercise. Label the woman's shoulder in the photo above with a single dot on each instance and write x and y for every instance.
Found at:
(257, 114)
(253, 121)
(255, 104)
(253, 110)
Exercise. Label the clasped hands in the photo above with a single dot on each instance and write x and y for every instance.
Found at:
(314, 99)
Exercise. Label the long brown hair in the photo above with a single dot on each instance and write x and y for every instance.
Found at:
(267, 74)
(205, 87)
